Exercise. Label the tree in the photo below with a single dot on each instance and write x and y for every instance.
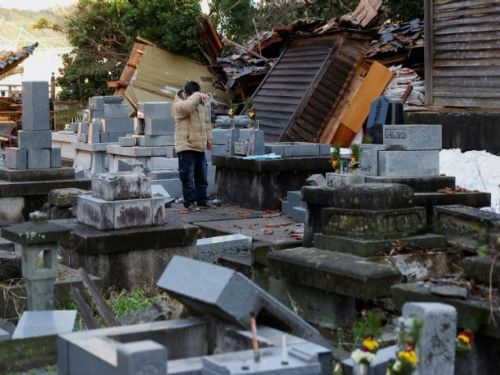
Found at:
(234, 18)
(102, 33)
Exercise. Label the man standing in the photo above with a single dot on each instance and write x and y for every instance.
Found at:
(192, 137)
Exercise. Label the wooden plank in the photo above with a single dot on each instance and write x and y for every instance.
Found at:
(469, 92)
(465, 22)
(468, 55)
(99, 302)
(465, 82)
(373, 86)
(474, 49)
(462, 63)
(340, 107)
(428, 50)
(442, 6)
(466, 13)
(469, 29)
(466, 102)
(483, 71)
(466, 37)
(83, 309)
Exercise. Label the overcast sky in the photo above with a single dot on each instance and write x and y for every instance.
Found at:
(44, 4)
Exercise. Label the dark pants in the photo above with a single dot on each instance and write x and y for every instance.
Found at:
(193, 174)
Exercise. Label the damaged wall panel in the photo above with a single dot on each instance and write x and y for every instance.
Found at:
(462, 53)
(298, 96)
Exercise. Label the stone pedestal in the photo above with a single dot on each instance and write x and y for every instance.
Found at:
(127, 258)
(65, 140)
(261, 184)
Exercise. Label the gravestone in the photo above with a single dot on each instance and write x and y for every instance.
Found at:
(436, 346)
(35, 140)
(383, 111)
(120, 200)
(227, 295)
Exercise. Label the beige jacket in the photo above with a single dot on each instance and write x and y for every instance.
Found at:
(192, 128)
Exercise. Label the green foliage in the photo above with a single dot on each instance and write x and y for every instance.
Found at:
(125, 302)
(482, 250)
(371, 323)
(414, 332)
(405, 10)
(272, 12)
(234, 18)
(102, 34)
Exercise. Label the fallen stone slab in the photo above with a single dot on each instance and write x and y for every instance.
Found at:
(45, 323)
(465, 227)
(334, 272)
(228, 295)
(368, 247)
(211, 248)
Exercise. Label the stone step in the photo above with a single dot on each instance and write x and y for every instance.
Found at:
(478, 268)
(369, 196)
(374, 224)
(334, 272)
(465, 227)
(418, 184)
(367, 248)
(241, 263)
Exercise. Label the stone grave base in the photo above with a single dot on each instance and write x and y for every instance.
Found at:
(64, 140)
(327, 310)
(262, 184)
(127, 258)
(25, 191)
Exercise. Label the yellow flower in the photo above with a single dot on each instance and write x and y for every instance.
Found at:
(370, 344)
(409, 356)
(464, 338)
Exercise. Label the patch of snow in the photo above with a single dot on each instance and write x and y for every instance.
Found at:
(474, 170)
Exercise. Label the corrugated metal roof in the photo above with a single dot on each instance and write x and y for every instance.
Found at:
(299, 95)
(462, 53)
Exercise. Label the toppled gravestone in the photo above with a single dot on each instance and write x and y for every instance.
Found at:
(229, 296)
